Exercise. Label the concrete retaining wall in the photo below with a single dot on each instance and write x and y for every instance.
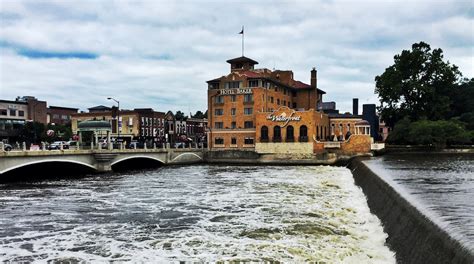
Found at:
(414, 237)
(284, 148)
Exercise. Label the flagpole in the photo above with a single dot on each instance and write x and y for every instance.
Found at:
(243, 33)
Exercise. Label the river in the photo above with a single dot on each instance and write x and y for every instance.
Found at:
(193, 213)
(440, 185)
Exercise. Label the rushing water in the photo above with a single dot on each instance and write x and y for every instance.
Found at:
(194, 213)
(441, 184)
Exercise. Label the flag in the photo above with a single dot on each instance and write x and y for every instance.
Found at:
(242, 31)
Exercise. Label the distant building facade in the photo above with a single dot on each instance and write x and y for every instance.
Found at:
(60, 115)
(143, 124)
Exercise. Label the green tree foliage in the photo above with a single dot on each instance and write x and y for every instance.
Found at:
(199, 115)
(180, 116)
(418, 85)
(438, 133)
(61, 132)
(32, 132)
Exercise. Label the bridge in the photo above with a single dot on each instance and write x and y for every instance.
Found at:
(99, 160)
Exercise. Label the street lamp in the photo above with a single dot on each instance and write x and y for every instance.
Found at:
(118, 116)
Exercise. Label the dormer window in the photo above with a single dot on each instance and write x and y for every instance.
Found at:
(230, 85)
(253, 83)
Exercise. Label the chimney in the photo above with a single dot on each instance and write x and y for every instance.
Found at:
(314, 78)
(355, 106)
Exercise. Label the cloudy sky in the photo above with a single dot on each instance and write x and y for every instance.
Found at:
(160, 54)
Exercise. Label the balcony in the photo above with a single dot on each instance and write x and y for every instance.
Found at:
(290, 139)
(276, 139)
(264, 139)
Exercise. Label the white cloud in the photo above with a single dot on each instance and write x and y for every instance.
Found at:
(159, 54)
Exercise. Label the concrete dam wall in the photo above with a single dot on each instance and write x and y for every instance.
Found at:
(412, 235)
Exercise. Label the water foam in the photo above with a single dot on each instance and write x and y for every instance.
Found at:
(198, 213)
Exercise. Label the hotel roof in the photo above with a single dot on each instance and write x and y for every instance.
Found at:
(242, 59)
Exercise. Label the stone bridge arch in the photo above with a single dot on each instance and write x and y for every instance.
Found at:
(122, 159)
(185, 157)
(24, 165)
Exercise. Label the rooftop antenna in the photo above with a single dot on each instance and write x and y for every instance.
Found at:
(242, 33)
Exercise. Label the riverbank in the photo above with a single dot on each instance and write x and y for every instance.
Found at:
(415, 237)
(427, 149)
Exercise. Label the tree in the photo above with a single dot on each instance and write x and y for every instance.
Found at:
(417, 85)
(199, 115)
(180, 116)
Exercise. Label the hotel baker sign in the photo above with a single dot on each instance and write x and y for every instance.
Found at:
(235, 91)
(284, 118)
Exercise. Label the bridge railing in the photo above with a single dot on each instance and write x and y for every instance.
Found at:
(22, 147)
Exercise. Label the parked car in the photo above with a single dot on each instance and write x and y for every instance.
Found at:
(57, 145)
(103, 143)
(7, 147)
(72, 143)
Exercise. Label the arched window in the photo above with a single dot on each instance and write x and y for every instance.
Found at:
(276, 134)
(304, 133)
(264, 134)
(290, 134)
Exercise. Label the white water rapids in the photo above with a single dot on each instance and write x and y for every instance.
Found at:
(195, 213)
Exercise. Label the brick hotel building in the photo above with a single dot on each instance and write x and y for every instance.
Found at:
(270, 112)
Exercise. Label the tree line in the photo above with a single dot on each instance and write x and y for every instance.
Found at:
(425, 99)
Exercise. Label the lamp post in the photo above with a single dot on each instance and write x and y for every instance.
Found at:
(118, 116)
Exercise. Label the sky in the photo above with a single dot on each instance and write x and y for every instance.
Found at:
(159, 54)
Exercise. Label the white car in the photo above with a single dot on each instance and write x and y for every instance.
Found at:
(57, 145)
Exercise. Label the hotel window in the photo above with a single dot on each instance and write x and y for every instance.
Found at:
(219, 99)
(294, 105)
(233, 98)
(248, 141)
(248, 124)
(21, 113)
(219, 141)
(233, 141)
(3, 112)
(214, 86)
(232, 111)
(219, 112)
(284, 102)
(271, 99)
(266, 84)
(233, 125)
(231, 85)
(248, 111)
(12, 112)
(284, 91)
(219, 125)
(253, 83)
(289, 105)
(278, 101)
(248, 98)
